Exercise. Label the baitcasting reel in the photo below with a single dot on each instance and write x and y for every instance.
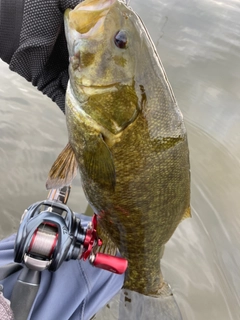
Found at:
(50, 233)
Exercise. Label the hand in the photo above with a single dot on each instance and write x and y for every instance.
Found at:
(42, 55)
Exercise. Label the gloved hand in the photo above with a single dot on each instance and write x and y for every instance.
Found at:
(37, 50)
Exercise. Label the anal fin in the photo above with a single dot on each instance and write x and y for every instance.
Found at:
(187, 214)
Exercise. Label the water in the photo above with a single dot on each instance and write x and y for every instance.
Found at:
(199, 44)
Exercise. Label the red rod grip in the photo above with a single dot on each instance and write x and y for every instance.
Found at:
(110, 263)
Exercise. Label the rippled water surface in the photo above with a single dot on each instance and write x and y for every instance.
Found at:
(199, 44)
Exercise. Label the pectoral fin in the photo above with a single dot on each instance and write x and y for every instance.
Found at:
(63, 170)
(99, 164)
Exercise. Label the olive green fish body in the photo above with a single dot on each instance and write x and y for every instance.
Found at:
(127, 135)
(150, 196)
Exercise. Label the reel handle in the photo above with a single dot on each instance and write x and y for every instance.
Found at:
(110, 263)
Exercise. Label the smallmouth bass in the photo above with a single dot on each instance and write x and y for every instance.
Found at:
(126, 137)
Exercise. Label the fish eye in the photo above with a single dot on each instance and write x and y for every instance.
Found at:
(120, 39)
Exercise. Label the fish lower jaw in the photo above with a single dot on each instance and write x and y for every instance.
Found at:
(94, 89)
(91, 87)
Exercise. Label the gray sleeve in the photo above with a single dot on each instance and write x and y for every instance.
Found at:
(37, 50)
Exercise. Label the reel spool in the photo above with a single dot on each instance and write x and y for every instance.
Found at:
(50, 233)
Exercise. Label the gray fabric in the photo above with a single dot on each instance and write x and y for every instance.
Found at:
(40, 55)
(5, 311)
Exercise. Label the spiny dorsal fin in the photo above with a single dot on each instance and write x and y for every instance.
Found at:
(63, 170)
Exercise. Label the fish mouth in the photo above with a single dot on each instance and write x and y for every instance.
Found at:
(91, 90)
(94, 5)
(88, 17)
(94, 86)
(101, 88)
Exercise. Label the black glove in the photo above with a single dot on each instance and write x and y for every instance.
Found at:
(34, 44)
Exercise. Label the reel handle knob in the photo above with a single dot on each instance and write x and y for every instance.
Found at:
(110, 263)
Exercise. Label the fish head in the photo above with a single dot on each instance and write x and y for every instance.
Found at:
(103, 41)
(115, 72)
